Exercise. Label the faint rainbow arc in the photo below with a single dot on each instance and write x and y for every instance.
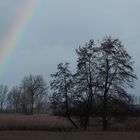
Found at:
(16, 34)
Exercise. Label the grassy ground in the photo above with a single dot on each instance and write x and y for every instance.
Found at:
(35, 135)
(58, 124)
(34, 122)
(43, 127)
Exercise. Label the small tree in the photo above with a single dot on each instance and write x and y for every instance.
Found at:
(32, 88)
(62, 87)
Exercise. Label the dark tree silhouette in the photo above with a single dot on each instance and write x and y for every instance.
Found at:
(104, 72)
(86, 77)
(62, 86)
(116, 73)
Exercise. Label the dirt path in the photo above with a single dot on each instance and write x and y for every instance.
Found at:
(34, 135)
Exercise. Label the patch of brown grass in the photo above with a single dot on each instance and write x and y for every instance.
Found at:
(132, 124)
(34, 122)
(60, 124)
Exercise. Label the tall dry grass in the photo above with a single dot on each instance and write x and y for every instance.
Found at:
(131, 124)
(54, 123)
(34, 122)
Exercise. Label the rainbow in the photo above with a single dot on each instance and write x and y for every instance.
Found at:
(17, 32)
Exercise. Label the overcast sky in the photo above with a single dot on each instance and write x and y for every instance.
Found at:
(60, 26)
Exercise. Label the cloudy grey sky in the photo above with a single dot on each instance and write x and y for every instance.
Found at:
(60, 26)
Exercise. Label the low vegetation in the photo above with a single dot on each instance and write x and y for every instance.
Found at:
(34, 122)
(61, 124)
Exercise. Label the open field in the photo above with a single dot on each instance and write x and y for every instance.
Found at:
(34, 135)
(34, 122)
(17, 122)
(44, 127)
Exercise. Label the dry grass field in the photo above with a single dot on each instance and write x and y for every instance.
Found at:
(44, 127)
(34, 122)
(19, 122)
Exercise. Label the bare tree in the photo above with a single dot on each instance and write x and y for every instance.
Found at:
(86, 76)
(61, 85)
(32, 88)
(41, 102)
(3, 94)
(14, 100)
(116, 73)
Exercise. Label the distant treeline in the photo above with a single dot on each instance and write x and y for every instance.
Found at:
(98, 88)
